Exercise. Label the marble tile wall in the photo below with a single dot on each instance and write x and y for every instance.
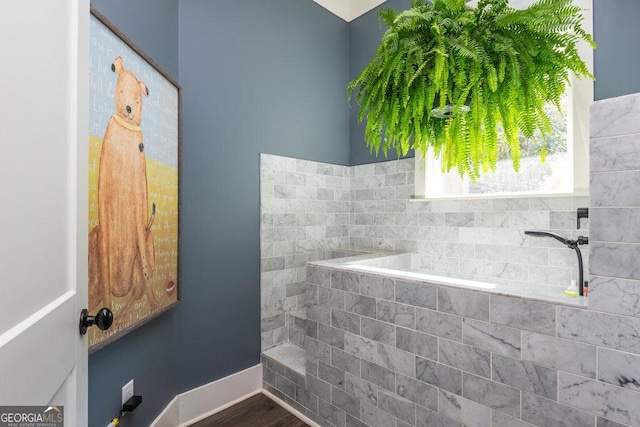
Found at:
(480, 239)
(383, 352)
(309, 208)
(304, 214)
(615, 205)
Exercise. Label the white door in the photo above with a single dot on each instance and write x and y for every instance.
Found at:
(43, 203)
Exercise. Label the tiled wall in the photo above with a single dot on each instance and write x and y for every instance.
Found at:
(388, 353)
(384, 352)
(304, 214)
(471, 239)
(615, 205)
(309, 208)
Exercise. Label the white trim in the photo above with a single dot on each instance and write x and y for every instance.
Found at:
(349, 9)
(581, 100)
(208, 399)
(420, 176)
(170, 416)
(290, 409)
(204, 401)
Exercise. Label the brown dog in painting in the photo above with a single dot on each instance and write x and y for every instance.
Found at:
(121, 255)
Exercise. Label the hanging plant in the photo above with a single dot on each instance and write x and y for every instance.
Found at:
(463, 80)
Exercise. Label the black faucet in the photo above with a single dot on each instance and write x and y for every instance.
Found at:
(571, 244)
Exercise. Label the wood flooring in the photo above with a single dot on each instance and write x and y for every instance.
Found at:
(256, 411)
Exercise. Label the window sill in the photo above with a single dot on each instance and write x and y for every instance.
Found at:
(418, 199)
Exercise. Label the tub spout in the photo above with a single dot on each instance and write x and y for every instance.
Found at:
(559, 238)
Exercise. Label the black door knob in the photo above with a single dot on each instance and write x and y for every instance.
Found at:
(102, 320)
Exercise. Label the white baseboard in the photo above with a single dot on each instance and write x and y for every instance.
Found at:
(204, 401)
(170, 417)
(290, 409)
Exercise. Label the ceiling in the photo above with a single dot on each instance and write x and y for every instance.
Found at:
(349, 9)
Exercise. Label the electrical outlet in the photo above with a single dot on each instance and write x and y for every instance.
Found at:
(127, 391)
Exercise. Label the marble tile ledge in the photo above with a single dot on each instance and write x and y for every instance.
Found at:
(289, 355)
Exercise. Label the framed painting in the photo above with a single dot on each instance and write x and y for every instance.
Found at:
(134, 183)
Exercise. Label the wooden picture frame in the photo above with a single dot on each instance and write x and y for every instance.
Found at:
(134, 184)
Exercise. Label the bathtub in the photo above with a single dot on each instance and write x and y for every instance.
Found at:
(404, 266)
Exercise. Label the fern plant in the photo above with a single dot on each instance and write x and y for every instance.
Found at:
(462, 80)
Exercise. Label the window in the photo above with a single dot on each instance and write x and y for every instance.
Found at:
(566, 169)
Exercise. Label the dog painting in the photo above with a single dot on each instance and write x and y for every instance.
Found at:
(134, 160)
(121, 255)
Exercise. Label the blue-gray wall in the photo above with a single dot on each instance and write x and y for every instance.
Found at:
(148, 355)
(365, 33)
(616, 29)
(256, 76)
(616, 60)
